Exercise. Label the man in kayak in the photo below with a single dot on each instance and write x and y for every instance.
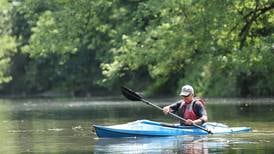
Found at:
(189, 108)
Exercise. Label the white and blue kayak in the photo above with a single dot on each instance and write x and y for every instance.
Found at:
(147, 128)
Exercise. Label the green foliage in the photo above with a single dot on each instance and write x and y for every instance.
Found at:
(199, 43)
(8, 46)
(222, 48)
(7, 42)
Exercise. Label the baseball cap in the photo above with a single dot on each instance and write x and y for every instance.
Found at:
(186, 90)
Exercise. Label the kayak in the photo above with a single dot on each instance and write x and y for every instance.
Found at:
(147, 128)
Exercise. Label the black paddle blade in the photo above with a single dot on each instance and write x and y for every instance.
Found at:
(131, 95)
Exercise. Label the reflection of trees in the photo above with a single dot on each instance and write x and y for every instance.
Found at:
(217, 112)
(53, 127)
(25, 135)
(242, 111)
(24, 128)
(5, 126)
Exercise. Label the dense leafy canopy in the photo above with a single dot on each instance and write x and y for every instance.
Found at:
(222, 48)
(7, 42)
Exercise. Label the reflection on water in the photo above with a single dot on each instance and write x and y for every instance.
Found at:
(64, 126)
(183, 144)
(179, 144)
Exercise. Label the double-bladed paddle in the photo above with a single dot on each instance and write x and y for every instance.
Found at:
(131, 95)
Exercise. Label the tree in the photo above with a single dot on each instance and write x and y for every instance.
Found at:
(81, 46)
(7, 42)
(202, 43)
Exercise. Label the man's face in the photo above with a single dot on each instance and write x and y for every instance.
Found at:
(187, 98)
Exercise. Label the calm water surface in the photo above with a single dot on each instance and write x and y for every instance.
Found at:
(65, 126)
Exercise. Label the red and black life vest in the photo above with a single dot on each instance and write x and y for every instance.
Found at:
(187, 111)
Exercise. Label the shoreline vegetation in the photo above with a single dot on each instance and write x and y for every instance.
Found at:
(88, 48)
(159, 99)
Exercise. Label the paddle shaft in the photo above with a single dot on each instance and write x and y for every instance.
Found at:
(174, 115)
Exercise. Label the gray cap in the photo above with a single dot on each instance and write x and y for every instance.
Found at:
(187, 90)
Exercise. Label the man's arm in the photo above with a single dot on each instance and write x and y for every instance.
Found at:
(171, 108)
(201, 113)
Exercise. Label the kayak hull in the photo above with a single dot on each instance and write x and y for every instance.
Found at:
(147, 128)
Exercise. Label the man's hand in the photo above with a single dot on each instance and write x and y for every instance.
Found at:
(189, 122)
(167, 109)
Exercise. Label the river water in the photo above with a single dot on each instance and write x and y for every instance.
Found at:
(65, 126)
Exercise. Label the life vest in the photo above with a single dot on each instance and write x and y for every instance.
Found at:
(188, 110)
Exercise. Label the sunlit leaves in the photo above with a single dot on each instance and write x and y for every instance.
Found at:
(167, 43)
(7, 42)
(202, 36)
(40, 45)
(7, 49)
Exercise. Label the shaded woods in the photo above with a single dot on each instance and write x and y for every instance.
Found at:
(84, 47)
